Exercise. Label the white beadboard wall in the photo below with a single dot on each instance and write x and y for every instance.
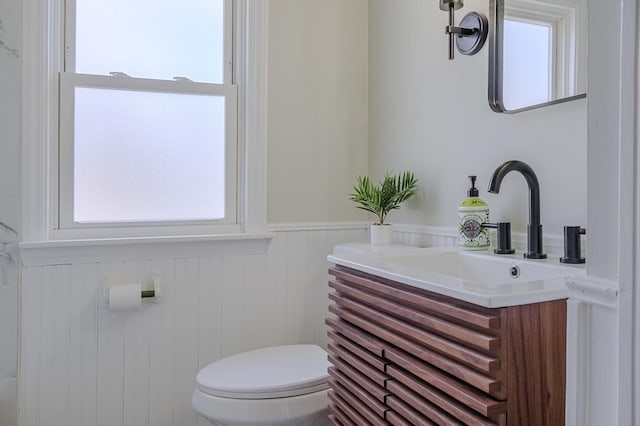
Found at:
(82, 365)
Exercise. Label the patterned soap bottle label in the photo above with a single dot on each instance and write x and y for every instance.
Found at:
(472, 235)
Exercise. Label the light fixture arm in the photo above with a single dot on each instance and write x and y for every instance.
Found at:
(462, 32)
(471, 33)
(449, 29)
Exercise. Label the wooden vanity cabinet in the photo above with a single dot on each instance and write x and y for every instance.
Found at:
(406, 356)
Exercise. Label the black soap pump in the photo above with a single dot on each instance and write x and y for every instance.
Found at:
(472, 213)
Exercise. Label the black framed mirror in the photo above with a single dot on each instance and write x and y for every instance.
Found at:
(537, 53)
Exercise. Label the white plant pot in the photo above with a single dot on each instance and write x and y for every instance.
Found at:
(381, 235)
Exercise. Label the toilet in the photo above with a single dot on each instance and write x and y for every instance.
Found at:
(279, 385)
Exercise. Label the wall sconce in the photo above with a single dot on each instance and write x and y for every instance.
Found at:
(472, 32)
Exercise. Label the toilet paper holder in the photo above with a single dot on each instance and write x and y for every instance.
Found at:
(155, 294)
(150, 293)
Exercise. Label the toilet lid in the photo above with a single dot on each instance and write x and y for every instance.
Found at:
(274, 372)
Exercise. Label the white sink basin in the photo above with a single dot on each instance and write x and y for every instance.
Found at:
(482, 278)
(481, 269)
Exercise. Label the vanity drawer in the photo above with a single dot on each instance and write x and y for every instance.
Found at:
(422, 405)
(422, 369)
(456, 311)
(342, 411)
(359, 411)
(347, 361)
(407, 414)
(462, 401)
(358, 336)
(466, 353)
(476, 367)
(376, 390)
(452, 330)
(359, 392)
(372, 359)
(333, 419)
(396, 420)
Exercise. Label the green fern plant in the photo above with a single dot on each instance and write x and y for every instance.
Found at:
(386, 196)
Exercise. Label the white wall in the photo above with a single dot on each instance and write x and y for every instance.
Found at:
(604, 122)
(317, 108)
(10, 111)
(9, 202)
(431, 115)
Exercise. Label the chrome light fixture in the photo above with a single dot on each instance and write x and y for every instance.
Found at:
(470, 35)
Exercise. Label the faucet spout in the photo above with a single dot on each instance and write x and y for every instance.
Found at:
(535, 249)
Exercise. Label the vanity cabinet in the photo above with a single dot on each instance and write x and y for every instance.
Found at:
(405, 356)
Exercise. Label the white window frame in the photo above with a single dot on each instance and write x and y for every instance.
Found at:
(43, 37)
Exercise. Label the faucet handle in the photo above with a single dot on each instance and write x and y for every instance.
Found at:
(572, 245)
(503, 230)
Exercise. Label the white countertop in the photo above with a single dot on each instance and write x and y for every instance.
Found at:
(405, 264)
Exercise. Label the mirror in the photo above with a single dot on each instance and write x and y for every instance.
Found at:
(537, 53)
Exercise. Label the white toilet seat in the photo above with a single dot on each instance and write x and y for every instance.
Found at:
(274, 372)
(280, 385)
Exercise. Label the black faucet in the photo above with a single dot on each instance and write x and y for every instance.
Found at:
(534, 229)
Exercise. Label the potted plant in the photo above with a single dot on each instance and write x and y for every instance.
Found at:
(382, 198)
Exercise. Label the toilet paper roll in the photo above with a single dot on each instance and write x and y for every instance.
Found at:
(125, 297)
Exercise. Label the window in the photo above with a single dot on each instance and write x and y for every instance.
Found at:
(171, 144)
(148, 114)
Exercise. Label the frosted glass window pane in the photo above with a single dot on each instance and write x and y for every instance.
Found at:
(158, 39)
(141, 156)
(526, 63)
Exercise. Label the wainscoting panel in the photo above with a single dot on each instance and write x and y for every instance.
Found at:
(83, 365)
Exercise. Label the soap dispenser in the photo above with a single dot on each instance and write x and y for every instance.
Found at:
(472, 213)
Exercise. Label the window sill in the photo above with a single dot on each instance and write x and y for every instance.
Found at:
(57, 252)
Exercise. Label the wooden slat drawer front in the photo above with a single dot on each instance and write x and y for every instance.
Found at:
(337, 380)
(339, 418)
(481, 409)
(344, 361)
(396, 419)
(356, 361)
(429, 373)
(409, 414)
(368, 357)
(357, 335)
(484, 318)
(343, 411)
(379, 392)
(333, 418)
(424, 404)
(398, 333)
(448, 329)
(356, 405)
